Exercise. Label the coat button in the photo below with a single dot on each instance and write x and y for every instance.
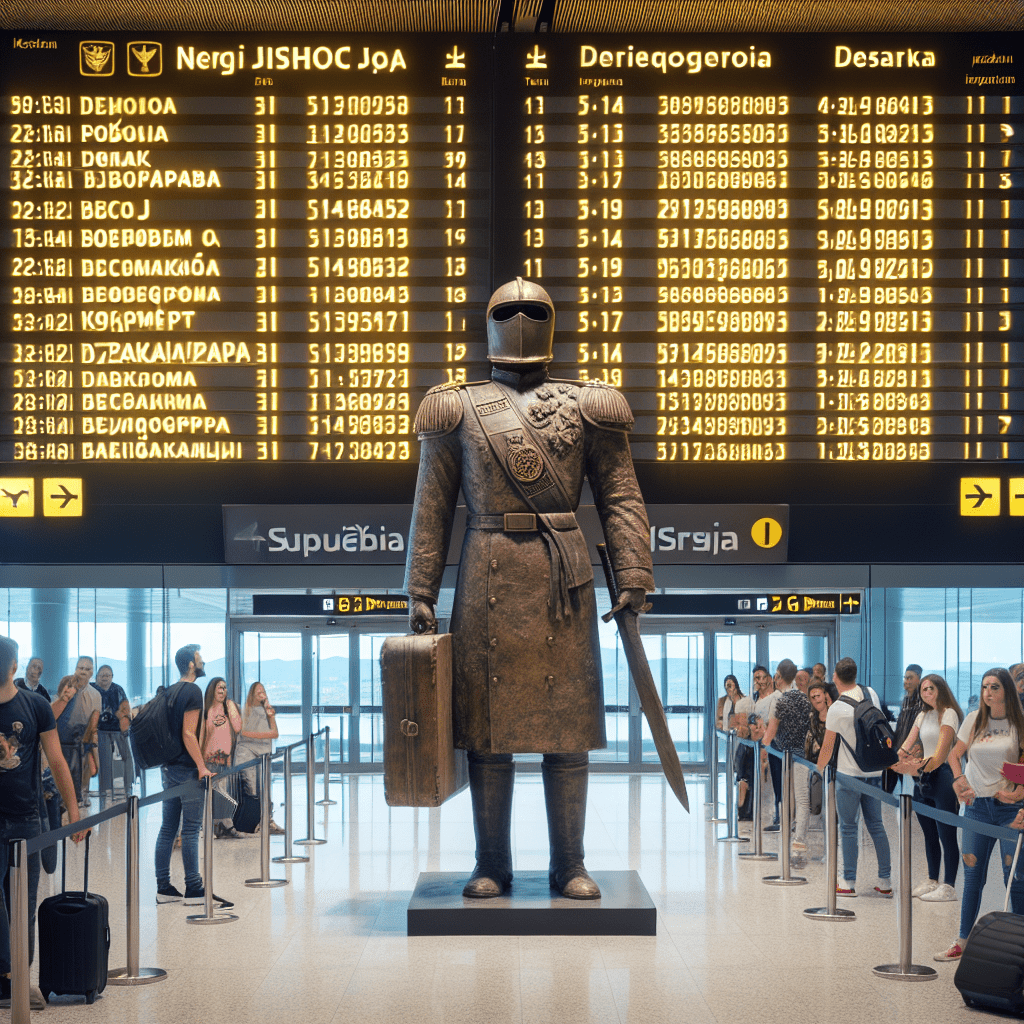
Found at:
(551, 641)
(550, 680)
(494, 679)
(494, 641)
(492, 601)
(494, 563)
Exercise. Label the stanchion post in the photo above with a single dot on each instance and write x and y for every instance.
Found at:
(310, 839)
(731, 811)
(208, 916)
(787, 796)
(830, 819)
(265, 881)
(327, 801)
(712, 800)
(20, 1011)
(288, 857)
(905, 970)
(133, 974)
(758, 851)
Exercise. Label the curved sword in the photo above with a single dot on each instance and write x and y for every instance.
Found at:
(647, 690)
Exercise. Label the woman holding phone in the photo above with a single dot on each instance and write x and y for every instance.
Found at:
(990, 736)
(259, 730)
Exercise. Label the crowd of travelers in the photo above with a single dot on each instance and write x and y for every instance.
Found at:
(956, 762)
(52, 745)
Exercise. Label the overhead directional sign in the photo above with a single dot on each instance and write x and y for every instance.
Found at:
(17, 497)
(62, 496)
(755, 604)
(979, 495)
(1016, 502)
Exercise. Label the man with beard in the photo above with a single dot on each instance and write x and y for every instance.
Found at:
(186, 811)
(527, 662)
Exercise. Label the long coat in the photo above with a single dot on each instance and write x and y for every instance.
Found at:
(527, 666)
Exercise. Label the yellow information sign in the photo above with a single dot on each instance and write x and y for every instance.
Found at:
(17, 497)
(1016, 502)
(766, 533)
(62, 496)
(979, 495)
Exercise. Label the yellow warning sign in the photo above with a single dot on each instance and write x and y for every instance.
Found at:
(17, 497)
(1016, 502)
(766, 533)
(979, 495)
(62, 496)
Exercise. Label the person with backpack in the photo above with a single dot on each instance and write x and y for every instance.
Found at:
(841, 729)
(185, 707)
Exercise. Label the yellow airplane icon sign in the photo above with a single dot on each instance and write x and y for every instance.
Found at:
(17, 497)
(1016, 501)
(62, 496)
(979, 495)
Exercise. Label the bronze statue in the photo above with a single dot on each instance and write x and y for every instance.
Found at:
(526, 660)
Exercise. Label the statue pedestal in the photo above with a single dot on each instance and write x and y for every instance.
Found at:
(531, 907)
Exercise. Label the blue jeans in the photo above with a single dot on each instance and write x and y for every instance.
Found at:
(849, 804)
(188, 811)
(979, 847)
(17, 828)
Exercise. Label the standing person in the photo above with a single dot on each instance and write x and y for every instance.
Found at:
(184, 811)
(910, 709)
(112, 733)
(840, 728)
(26, 723)
(526, 656)
(935, 727)
(727, 704)
(33, 678)
(818, 671)
(820, 695)
(77, 709)
(787, 730)
(221, 724)
(803, 680)
(743, 765)
(989, 736)
(259, 730)
(1017, 674)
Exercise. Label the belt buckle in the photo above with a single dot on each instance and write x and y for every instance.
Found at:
(520, 521)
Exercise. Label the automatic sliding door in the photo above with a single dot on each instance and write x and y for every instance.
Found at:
(677, 664)
(275, 660)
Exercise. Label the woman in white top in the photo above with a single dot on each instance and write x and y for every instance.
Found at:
(935, 726)
(990, 736)
(259, 730)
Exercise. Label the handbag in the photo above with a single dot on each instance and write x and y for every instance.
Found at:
(814, 788)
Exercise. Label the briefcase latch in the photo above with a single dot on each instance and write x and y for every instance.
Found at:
(409, 728)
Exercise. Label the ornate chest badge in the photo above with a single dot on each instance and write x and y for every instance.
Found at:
(524, 461)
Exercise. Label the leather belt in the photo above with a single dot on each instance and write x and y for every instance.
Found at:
(523, 522)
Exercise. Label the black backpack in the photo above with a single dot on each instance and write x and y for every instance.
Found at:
(876, 742)
(154, 735)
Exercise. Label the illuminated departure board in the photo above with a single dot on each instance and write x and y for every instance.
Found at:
(257, 249)
(238, 249)
(781, 248)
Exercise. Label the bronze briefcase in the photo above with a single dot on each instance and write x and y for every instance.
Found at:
(422, 768)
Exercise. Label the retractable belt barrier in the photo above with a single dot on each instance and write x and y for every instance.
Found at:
(132, 974)
(904, 970)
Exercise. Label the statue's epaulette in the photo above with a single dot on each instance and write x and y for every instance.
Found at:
(605, 407)
(440, 412)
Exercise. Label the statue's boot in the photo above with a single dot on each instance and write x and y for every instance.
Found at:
(491, 780)
(565, 794)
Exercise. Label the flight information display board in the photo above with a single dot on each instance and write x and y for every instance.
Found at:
(781, 248)
(251, 249)
(238, 249)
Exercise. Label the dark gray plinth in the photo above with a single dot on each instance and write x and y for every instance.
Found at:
(531, 907)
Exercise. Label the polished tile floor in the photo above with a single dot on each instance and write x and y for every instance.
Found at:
(331, 948)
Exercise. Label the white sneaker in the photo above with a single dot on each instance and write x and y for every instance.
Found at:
(940, 894)
(921, 888)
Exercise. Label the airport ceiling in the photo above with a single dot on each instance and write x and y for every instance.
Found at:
(491, 16)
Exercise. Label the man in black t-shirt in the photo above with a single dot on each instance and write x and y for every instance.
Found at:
(26, 721)
(186, 811)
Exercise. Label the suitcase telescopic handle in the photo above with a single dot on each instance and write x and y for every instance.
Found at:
(1013, 872)
(64, 865)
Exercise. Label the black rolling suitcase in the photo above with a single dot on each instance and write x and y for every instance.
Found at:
(990, 974)
(74, 939)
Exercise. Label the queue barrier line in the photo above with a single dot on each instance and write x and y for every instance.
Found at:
(904, 969)
(132, 974)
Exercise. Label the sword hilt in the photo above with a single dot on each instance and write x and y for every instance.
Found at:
(609, 575)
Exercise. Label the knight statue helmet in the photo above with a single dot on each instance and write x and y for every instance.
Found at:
(520, 324)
